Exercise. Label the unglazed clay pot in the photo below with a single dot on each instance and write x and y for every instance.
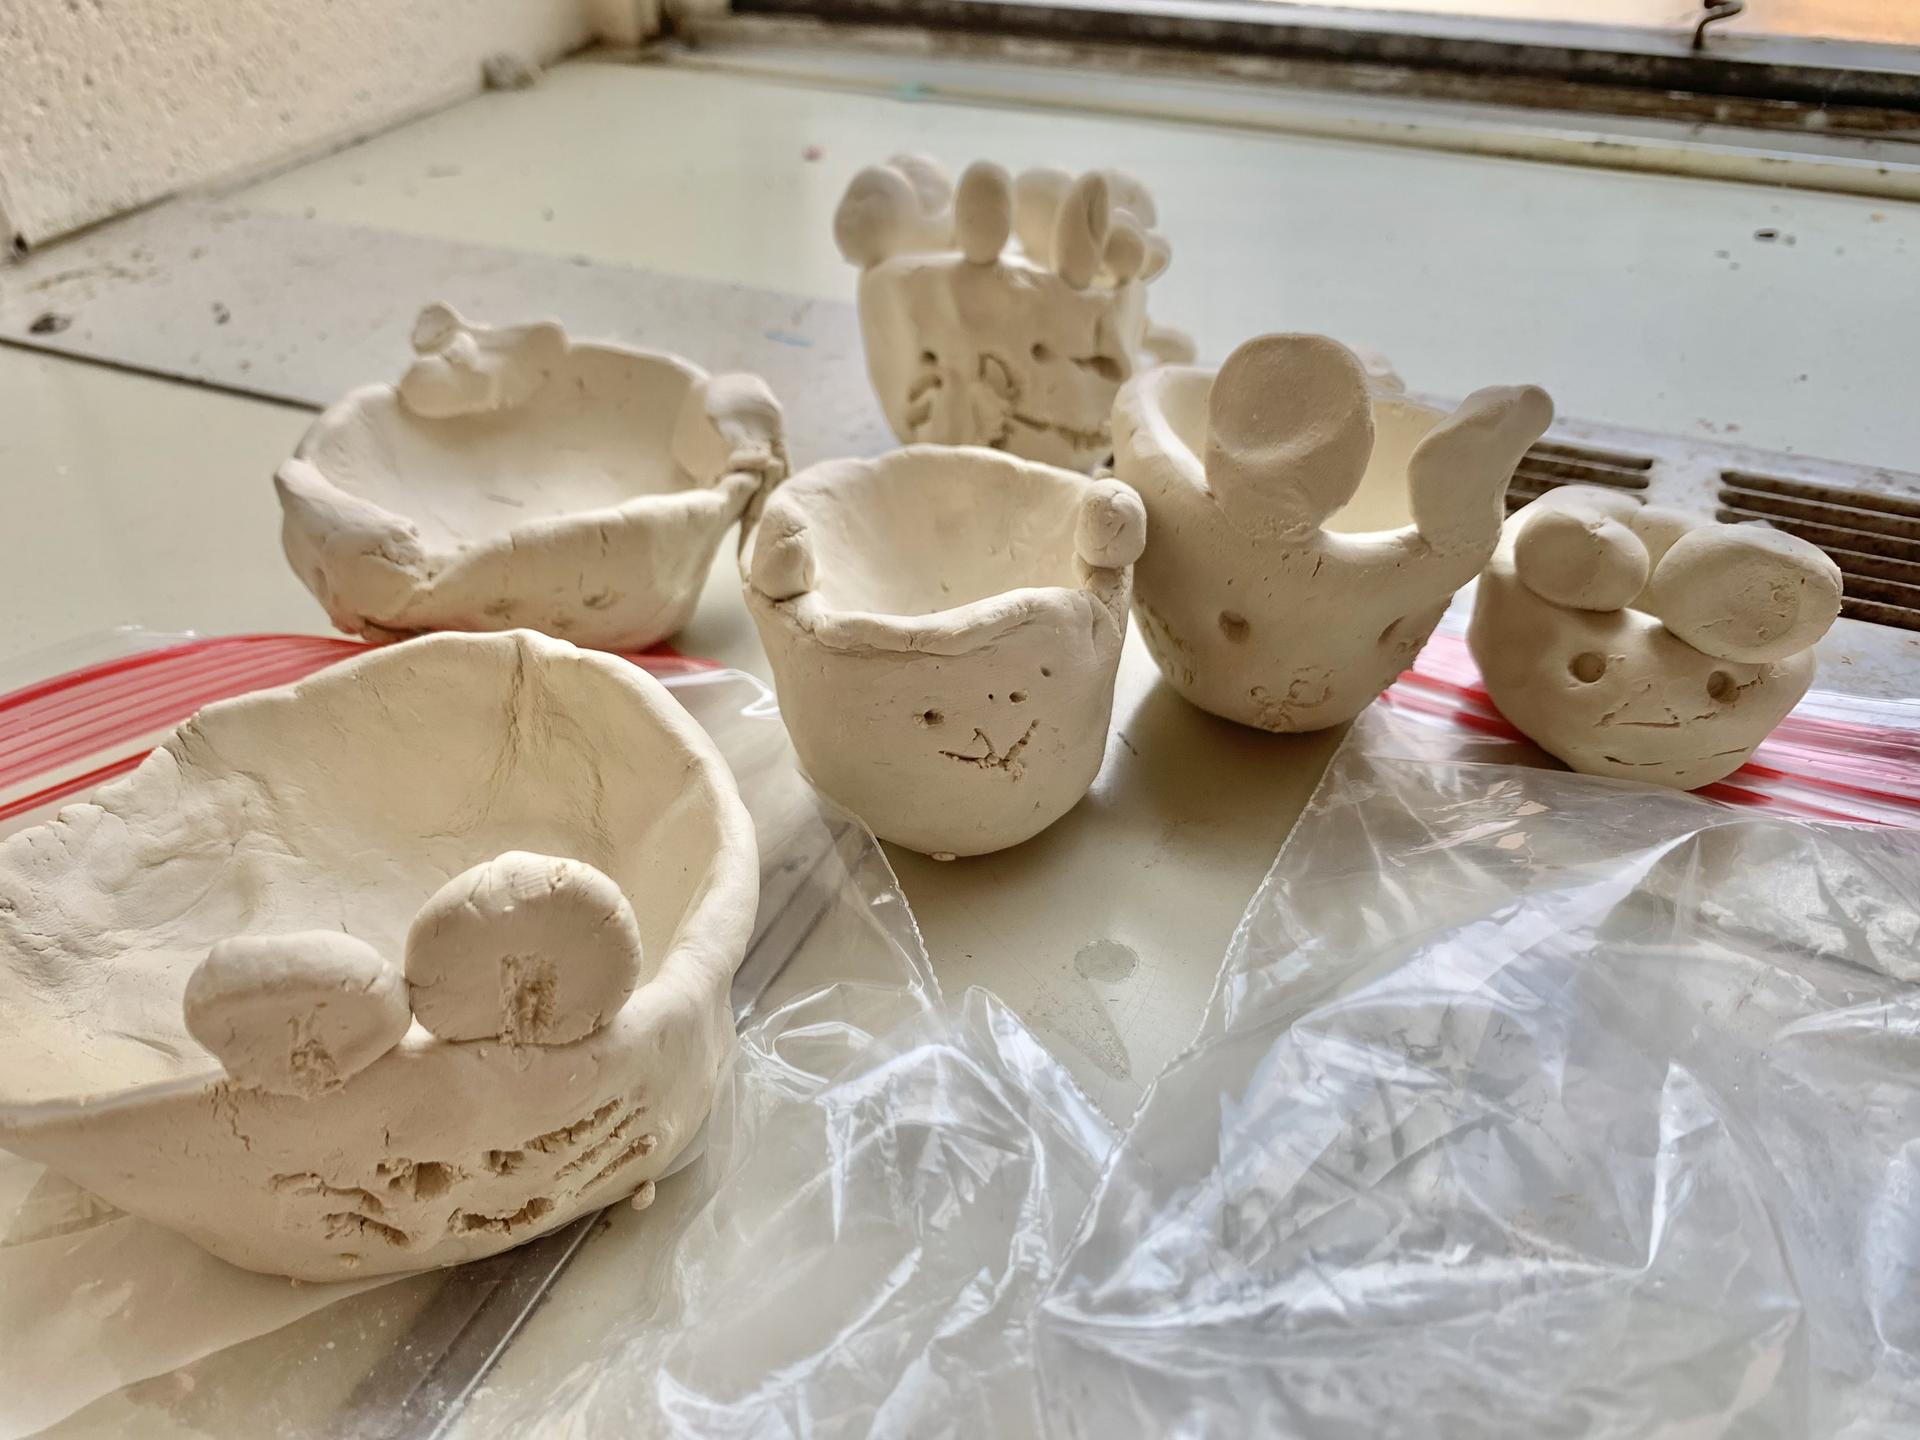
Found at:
(1648, 643)
(1004, 312)
(514, 478)
(944, 625)
(399, 966)
(1308, 528)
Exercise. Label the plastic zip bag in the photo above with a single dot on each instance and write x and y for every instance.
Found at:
(1527, 1105)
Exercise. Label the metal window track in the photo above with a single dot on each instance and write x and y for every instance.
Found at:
(1821, 74)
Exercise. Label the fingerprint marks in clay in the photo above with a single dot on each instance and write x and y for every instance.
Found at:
(393, 1203)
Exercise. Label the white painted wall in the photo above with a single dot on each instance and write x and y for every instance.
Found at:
(108, 104)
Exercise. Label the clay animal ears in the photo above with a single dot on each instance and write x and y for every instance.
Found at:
(1740, 593)
(1093, 229)
(466, 369)
(1289, 431)
(526, 949)
(1096, 228)
(904, 207)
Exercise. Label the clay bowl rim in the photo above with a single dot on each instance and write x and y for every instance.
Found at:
(956, 629)
(726, 495)
(717, 919)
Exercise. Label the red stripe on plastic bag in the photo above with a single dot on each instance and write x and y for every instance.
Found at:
(1817, 766)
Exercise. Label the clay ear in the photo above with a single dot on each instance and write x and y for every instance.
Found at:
(1289, 430)
(296, 1014)
(1578, 558)
(782, 566)
(875, 216)
(531, 949)
(1126, 253)
(983, 212)
(1744, 593)
(932, 185)
(1457, 476)
(1112, 529)
(435, 326)
(1080, 230)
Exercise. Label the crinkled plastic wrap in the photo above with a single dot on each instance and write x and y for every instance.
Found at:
(895, 1190)
(1528, 1105)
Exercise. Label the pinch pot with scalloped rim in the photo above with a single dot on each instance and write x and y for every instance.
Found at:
(517, 478)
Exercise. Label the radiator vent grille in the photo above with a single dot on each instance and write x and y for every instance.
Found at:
(1553, 463)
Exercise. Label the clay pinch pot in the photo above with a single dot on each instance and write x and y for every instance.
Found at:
(396, 967)
(1644, 642)
(1309, 528)
(944, 626)
(1004, 312)
(514, 478)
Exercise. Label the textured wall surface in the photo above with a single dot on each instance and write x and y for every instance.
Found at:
(107, 104)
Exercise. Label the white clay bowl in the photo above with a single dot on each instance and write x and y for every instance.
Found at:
(291, 879)
(944, 626)
(1308, 529)
(1647, 643)
(514, 478)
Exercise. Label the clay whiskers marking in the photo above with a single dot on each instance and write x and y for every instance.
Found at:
(1008, 761)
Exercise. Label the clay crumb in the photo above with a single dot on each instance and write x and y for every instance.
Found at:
(504, 70)
(466, 1222)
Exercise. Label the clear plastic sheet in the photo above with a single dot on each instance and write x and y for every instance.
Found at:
(1528, 1105)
